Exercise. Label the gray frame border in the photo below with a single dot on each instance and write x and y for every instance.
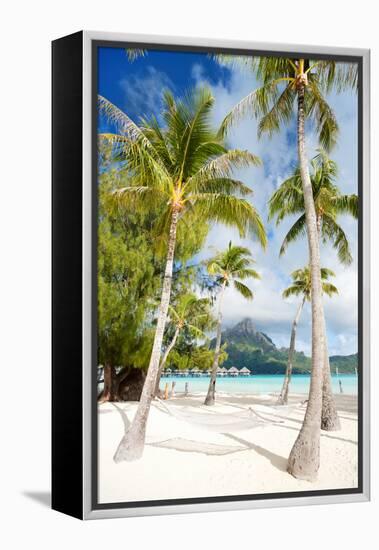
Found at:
(88, 511)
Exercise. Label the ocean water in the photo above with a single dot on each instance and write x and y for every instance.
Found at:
(264, 383)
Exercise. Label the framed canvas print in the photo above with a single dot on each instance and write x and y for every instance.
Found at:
(210, 275)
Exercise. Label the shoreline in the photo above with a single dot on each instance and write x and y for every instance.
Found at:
(195, 461)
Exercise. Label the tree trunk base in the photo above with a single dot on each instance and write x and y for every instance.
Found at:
(282, 400)
(209, 400)
(129, 450)
(304, 460)
(330, 423)
(130, 389)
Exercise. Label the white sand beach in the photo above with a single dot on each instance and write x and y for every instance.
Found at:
(184, 459)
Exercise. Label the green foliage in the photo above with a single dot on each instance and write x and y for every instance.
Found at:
(248, 347)
(233, 265)
(200, 357)
(330, 203)
(275, 100)
(182, 166)
(301, 283)
(128, 280)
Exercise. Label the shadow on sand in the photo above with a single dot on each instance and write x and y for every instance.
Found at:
(277, 461)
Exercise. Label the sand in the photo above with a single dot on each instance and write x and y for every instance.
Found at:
(183, 460)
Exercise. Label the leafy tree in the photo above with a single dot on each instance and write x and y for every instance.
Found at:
(128, 280)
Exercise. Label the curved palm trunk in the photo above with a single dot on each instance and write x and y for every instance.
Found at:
(132, 444)
(164, 359)
(210, 398)
(304, 459)
(283, 397)
(329, 415)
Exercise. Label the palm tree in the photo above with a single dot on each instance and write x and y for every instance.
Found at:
(288, 200)
(191, 313)
(329, 204)
(233, 265)
(301, 286)
(301, 84)
(185, 168)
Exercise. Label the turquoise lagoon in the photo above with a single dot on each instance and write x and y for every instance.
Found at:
(259, 383)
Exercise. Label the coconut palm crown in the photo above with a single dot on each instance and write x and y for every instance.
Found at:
(232, 266)
(183, 165)
(274, 101)
(192, 313)
(301, 283)
(288, 200)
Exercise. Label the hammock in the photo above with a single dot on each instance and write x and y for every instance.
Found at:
(221, 422)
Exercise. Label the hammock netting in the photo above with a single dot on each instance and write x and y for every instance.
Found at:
(219, 422)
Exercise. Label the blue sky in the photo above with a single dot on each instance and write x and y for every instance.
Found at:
(137, 89)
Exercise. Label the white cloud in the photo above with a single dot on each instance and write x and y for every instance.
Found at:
(143, 93)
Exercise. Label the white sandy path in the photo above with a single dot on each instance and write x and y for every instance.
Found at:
(191, 462)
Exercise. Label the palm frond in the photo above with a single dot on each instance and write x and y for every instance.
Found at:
(302, 283)
(243, 290)
(280, 112)
(227, 186)
(326, 273)
(340, 76)
(231, 211)
(223, 166)
(287, 199)
(196, 331)
(297, 230)
(256, 103)
(123, 123)
(323, 116)
(346, 204)
(331, 231)
(329, 289)
(246, 273)
(293, 290)
(135, 53)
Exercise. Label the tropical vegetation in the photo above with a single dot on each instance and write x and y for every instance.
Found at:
(229, 267)
(297, 87)
(301, 286)
(184, 170)
(164, 181)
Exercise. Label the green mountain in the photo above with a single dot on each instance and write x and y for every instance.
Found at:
(251, 348)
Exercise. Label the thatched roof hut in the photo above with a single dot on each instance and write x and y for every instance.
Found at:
(245, 372)
(233, 371)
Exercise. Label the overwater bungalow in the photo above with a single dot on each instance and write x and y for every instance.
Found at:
(245, 372)
(195, 372)
(167, 372)
(233, 371)
(222, 371)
